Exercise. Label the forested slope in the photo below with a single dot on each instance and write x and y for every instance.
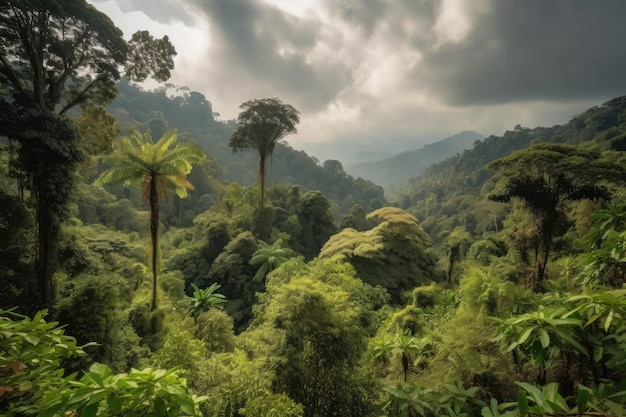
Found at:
(399, 168)
(125, 291)
(446, 195)
(191, 113)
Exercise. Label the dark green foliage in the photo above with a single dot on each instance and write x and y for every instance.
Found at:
(50, 154)
(546, 176)
(53, 58)
(92, 311)
(316, 221)
(356, 219)
(17, 277)
(232, 271)
(318, 309)
(485, 250)
(210, 237)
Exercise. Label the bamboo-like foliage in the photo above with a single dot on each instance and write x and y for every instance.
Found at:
(157, 167)
(392, 254)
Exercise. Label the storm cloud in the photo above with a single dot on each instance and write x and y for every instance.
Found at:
(267, 51)
(534, 50)
(395, 68)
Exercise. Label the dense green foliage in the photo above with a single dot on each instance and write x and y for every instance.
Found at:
(53, 58)
(322, 301)
(33, 381)
(192, 114)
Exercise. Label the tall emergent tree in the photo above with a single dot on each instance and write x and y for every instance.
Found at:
(54, 56)
(547, 175)
(262, 124)
(157, 168)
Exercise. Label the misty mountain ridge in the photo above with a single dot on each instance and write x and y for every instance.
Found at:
(399, 168)
(354, 150)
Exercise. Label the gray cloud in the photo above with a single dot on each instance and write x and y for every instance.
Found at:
(391, 68)
(162, 11)
(260, 44)
(534, 50)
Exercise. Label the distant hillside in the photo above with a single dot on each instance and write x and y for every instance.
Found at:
(192, 115)
(399, 168)
(354, 150)
(450, 193)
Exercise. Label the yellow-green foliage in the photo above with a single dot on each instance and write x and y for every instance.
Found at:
(181, 349)
(215, 328)
(319, 318)
(392, 254)
(425, 296)
(408, 320)
(480, 292)
(241, 383)
(173, 284)
(467, 351)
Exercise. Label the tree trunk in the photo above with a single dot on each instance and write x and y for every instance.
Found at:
(46, 234)
(261, 180)
(154, 236)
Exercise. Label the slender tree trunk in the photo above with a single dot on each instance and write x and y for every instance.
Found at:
(154, 236)
(45, 235)
(547, 232)
(262, 180)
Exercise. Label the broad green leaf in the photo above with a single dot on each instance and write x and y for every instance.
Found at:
(569, 339)
(522, 402)
(598, 351)
(115, 404)
(526, 334)
(396, 392)
(544, 338)
(582, 398)
(535, 393)
(90, 411)
(609, 319)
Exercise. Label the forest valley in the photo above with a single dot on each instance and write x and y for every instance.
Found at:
(156, 261)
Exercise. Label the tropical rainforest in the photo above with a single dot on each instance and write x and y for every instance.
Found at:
(158, 261)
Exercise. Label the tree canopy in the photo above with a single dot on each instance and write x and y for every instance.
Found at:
(53, 57)
(262, 123)
(545, 176)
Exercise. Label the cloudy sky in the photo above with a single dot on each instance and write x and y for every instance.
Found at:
(375, 70)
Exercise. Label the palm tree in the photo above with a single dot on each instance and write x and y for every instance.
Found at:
(262, 123)
(406, 348)
(157, 167)
(204, 299)
(269, 257)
